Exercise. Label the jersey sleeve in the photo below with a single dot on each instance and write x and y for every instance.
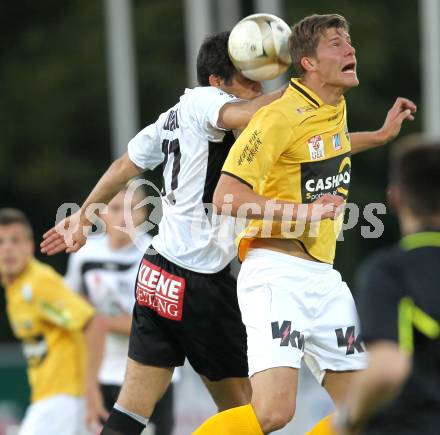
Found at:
(145, 149)
(58, 305)
(378, 295)
(206, 104)
(259, 146)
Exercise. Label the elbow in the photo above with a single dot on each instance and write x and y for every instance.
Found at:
(393, 376)
(124, 168)
(120, 164)
(218, 199)
(222, 200)
(397, 375)
(388, 367)
(244, 119)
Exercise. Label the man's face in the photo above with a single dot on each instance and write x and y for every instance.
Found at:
(16, 249)
(242, 87)
(336, 60)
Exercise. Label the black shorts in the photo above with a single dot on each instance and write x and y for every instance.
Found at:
(180, 313)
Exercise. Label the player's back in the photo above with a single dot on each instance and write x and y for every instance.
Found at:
(193, 151)
(413, 268)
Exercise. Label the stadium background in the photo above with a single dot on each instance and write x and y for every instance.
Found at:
(54, 111)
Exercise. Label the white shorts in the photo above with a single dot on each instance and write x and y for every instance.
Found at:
(293, 308)
(62, 414)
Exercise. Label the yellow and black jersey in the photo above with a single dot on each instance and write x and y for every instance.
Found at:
(295, 149)
(398, 298)
(48, 318)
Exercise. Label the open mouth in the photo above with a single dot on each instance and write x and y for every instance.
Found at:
(350, 68)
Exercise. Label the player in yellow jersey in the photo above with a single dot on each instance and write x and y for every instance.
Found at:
(50, 320)
(294, 304)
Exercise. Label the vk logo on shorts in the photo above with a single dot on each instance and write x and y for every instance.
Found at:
(294, 338)
(350, 340)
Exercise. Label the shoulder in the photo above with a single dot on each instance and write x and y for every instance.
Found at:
(43, 271)
(275, 116)
(383, 258)
(204, 98)
(207, 92)
(379, 268)
(42, 276)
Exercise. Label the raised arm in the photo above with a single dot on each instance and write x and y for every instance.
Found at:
(59, 238)
(238, 197)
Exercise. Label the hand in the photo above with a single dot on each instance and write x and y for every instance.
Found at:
(403, 109)
(69, 235)
(325, 207)
(95, 410)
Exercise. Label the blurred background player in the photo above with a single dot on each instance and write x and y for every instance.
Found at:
(186, 297)
(294, 304)
(62, 340)
(399, 308)
(104, 271)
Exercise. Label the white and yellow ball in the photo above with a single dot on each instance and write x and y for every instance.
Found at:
(258, 46)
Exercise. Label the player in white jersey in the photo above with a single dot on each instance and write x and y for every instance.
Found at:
(104, 272)
(186, 299)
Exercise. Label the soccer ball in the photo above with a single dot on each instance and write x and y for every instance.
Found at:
(258, 46)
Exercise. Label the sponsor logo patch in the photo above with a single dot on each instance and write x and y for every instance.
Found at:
(160, 291)
(316, 147)
(349, 340)
(336, 140)
(287, 335)
(330, 176)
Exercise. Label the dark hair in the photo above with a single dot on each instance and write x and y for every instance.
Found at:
(213, 58)
(415, 169)
(9, 216)
(306, 33)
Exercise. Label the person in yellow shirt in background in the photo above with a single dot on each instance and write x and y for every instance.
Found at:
(63, 339)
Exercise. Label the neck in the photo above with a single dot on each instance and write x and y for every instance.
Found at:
(8, 279)
(410, 224)
(328, 94)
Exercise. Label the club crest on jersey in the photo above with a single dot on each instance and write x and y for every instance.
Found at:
(316, 147)
(336, 140)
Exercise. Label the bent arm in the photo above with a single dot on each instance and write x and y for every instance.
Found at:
(120, 324)
(236, 197)
(366, 140)
(94, 333)
(71, 233)
(402, 110)
(114, 179)
(236, 116)
(373, 388)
